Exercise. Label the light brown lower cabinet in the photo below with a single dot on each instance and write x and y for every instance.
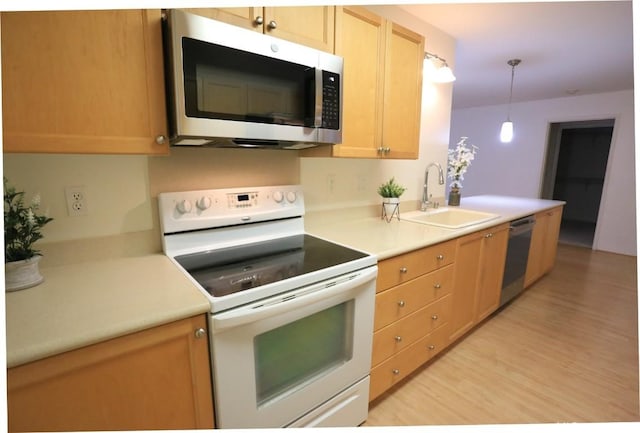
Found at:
(413, 306)
(153, 379)
(393, 370)
(477, 281)
(430, 297)
(544, 244)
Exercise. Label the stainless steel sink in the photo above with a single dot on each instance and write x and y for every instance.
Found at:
(448, 217)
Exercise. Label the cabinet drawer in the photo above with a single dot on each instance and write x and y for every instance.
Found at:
(396, 368)
(392, 339)
(405, 267)
(437, 340)
(402, 300)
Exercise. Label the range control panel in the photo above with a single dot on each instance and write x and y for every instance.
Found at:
(202, 209)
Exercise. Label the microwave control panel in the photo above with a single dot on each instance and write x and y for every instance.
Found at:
(330, 100)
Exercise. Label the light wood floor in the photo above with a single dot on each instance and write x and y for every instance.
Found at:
(566, 350)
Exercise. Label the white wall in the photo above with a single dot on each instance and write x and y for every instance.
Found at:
(355, 181)
(517, 168)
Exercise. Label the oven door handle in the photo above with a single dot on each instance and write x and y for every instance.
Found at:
(293, 300)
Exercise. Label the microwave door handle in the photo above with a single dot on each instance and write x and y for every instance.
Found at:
(317, 118)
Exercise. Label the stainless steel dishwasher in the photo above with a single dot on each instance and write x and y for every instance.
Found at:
(517, 257)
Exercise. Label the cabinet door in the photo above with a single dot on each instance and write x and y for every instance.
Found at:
(360, 37)
(313, 26)
(465, 281)
(544, 244)
(551, 238)
(247, 17)
(494, 255)
(154, 379)
(402, 93)
(83, 82)
(382, 94)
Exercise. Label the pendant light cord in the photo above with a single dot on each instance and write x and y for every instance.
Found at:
(513, 63)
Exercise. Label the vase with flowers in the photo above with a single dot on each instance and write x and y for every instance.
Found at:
(460, 158)
(22, 228)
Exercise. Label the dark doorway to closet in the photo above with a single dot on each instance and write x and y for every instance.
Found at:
(575, 170)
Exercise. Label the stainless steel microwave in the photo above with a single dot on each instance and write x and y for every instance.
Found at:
(232, 87)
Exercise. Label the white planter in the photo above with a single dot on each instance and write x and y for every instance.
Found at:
(22, 274)
(390, 207)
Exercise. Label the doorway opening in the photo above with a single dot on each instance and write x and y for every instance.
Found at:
(575, 169)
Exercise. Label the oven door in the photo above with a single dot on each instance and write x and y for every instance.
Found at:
(278, 359)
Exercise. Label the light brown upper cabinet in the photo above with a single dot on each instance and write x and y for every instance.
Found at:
(382, 87)
(83, 82)
(312, 26)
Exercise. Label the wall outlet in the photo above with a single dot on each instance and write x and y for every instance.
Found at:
(76, 200)
(331, 184)
(362, 183)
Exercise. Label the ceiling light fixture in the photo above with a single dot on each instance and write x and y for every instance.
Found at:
(506, 132)
(443, 74)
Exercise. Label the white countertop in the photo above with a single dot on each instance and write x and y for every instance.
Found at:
(86, 303)
(374, 235)
(78, 305)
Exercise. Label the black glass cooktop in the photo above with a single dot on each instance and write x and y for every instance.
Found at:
(229, 270)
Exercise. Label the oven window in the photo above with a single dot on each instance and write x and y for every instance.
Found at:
(229, 84)
(302, 351)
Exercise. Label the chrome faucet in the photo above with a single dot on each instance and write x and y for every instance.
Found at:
(425, 195)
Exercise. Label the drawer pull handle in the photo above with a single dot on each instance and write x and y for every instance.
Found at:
(200, 332)
(437, 285)
(403, 270)
(398, 338)
(395, 371)
(488, 235)
(401, 304)
(440, 257)
(434, 317)
(431, 347)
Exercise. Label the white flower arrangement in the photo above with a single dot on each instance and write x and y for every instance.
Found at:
(459, 161)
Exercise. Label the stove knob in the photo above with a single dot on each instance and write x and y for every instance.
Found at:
(291, 196)
(204, 203)
(277, 196)
(184, 206)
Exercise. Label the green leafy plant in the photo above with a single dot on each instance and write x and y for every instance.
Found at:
(391, 189)
(22, 224)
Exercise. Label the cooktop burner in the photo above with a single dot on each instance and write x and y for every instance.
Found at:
(234, 269)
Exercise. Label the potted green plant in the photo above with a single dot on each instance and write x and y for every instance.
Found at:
(22, 228)
(390, 192)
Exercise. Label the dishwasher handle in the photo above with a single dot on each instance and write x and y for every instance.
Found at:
(522, 225)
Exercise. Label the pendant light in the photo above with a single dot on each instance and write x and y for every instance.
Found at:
(506, 132)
